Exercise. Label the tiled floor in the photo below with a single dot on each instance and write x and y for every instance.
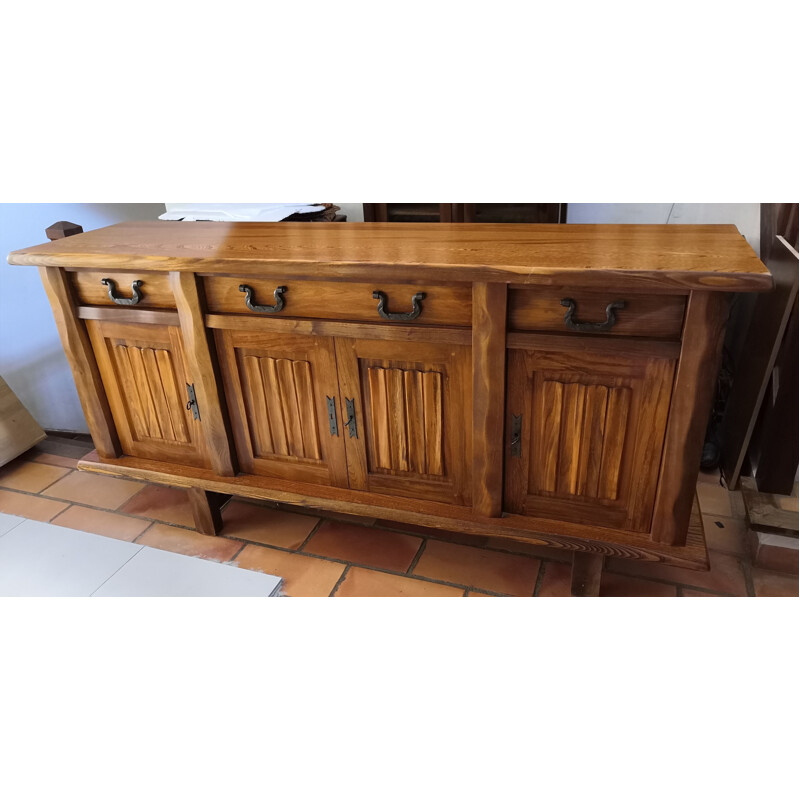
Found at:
(39, 559)
(336, 555)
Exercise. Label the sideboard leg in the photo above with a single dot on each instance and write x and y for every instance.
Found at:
(587, 569)
(206, 510)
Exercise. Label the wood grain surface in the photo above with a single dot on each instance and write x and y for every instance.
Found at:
(694, 256)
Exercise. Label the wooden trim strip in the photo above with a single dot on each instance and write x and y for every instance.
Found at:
(550, 533)
(83, 363)
(629, 346)
(350, 330)
(137, 315)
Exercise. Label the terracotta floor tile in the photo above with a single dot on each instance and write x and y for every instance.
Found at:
(725, 534)
(714, 500)
(405, 527)
(106, 523)
(303, 576)
(372, 547)
(697, 593)
(481, 569)
(774, 584)
(29, 476)
(726, 575)
(189, 543)
(479, 594)
(556, 580)
(266, 525)
(29, 506)
(164, 503)
(101, 491)
(613, 585)
(55, 460)
(369, 583)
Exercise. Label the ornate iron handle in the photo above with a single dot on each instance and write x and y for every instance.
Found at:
(248, 299)
(591, 327)
(416, 307)
(123, 301)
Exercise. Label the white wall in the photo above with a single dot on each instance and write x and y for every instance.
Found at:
(32, 360)
(746, 216)
(354, 211)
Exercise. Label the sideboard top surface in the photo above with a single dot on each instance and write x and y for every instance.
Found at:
(714, 257)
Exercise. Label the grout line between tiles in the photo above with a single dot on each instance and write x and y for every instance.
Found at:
(311, 533)
(540, 577)
(233, 558)
(375, 569)
(417, 556)
(340, 581)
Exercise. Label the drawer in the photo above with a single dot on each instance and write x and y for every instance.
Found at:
(153, 290)
(439, 305)
(656, 316)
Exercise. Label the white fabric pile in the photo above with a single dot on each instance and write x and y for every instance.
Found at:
(236, 212)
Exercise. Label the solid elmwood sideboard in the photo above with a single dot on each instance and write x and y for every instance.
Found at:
(548, 384)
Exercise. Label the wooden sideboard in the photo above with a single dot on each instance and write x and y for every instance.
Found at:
(547, 384)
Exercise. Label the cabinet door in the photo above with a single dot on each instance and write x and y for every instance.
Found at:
(585, 431)
(145, 376)
(410, 414)
(278, 388)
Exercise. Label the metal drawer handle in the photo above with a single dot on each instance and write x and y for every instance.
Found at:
(123, 301)
(416, 307)
(591, 327)
(248, 299)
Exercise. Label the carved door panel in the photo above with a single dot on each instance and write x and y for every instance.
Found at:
(585, 432)
(409, 408)
(283, 400)
(144, 373)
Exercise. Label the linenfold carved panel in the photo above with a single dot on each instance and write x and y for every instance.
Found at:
(280, 398)
(577, 450)
(151, 393)
(407, 421)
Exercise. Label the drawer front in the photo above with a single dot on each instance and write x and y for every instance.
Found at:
(438, 305)
(656, 316)
(153, 291)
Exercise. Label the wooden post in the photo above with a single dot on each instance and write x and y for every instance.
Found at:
(203, 372)
(81, 359)
(692, 395)
(207, 510)
(587, 570)
(488, 396)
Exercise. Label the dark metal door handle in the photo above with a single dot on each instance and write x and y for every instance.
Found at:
(591, 327)
(123, 301)
(416, 307)
(516, 435)
(248, 299)
(350, 424)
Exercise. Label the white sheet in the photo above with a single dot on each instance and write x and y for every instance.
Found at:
(236, 212)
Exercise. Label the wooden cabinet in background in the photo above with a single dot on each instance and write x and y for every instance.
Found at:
(465, 212)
